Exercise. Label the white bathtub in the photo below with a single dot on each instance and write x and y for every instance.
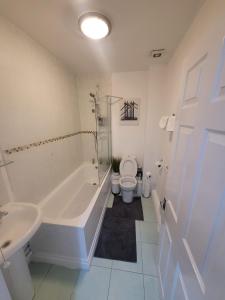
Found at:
(72, 217)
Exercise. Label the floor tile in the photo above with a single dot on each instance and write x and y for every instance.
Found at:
(57, 285)
(138, 231)
(147, 200)
(38, 272)
(152, 288)
(126, 286)
(110, 201)
(149, 232)
(101, 262)
(127, 266)
(150, 254)
(92, 284)
(148, 210)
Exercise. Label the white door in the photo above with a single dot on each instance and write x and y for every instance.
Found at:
(192, 256)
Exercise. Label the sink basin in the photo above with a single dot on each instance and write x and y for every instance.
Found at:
(17, 227)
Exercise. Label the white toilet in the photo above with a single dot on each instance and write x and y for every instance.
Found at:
(128, 182)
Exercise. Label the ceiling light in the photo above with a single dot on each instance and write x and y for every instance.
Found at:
(94, 25)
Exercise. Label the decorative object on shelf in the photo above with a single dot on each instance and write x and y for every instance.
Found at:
(129, 111)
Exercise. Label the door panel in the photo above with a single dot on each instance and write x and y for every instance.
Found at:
(207, 200)
(213, 271)
(219, 90)
(194, 239)
(165, 255)
(183, 146)
(169, 280)
(193, 82)
(179, 291)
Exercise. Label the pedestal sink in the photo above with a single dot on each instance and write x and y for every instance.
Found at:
(19, 223)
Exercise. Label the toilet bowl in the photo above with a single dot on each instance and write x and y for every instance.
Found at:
(128, 182)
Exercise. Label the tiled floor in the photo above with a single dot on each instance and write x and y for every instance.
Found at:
(107, 279)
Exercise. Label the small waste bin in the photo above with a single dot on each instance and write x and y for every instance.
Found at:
(115, 182)
(146, 190)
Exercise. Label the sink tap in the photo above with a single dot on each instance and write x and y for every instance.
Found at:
(3, 214)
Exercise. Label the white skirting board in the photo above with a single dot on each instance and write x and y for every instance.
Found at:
(73, 262)
(60, 260)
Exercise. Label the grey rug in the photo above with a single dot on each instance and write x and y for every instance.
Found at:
(117, 238)
(131, 211)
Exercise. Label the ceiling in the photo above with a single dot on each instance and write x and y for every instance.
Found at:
(138, 26)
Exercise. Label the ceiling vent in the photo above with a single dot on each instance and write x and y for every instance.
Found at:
(158, 53)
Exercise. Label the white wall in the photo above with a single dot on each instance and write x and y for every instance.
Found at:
(129, 139)
(154, 136)
(147, 140)
(38, 100)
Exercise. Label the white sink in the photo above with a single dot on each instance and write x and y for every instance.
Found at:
(17, 227)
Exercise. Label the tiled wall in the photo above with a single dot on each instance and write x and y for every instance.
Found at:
(47, 141)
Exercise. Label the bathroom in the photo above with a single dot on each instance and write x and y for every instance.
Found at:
(112, 160)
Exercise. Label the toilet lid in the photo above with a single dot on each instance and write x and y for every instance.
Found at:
(128, 167)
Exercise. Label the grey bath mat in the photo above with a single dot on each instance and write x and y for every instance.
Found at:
(131, 211)
(117, 239)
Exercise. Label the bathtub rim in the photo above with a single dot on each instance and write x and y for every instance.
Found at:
(61, 184)
(81, 220)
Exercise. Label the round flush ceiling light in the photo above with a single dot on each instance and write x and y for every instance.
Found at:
(94, 25)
